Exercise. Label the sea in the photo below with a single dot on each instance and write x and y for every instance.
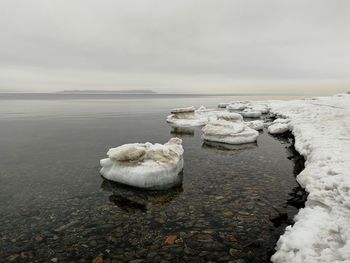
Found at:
(55, 206)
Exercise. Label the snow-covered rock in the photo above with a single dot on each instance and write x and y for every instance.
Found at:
(223, 105)
(145, 165)
(321, 232)
(229, 116)
(248, 113)
(236, 106)
(255, 125)
(224, 131)
(188, 117)
(278, 128)
(260, 107)
(190, 109)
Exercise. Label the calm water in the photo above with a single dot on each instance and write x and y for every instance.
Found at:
(56, 207)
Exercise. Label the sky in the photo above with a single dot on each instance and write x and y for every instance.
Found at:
(178, 46)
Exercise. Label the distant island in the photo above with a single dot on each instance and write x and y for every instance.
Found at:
(108, 91)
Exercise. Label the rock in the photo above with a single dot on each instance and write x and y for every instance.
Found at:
(39, 238)
(204, 238)
(231, 238)
(233, 252)
(170, 240)
(12, 258)
(54, 260)
(97, 259)
(228, 214)
(278, 218)
(249, 219)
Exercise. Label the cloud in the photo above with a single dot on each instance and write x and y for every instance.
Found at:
(172, 45)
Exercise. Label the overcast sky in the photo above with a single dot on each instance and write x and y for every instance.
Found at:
(175, 46)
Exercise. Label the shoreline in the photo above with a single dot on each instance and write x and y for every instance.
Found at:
(321, 232)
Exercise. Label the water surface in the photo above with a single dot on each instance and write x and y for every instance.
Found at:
(56, 207)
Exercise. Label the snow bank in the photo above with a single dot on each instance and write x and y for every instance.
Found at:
(145, 165)
(224, 131)
(321, 232)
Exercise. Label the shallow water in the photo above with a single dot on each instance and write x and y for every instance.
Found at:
(55, 206)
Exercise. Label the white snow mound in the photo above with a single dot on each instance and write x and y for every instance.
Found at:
(255, 125)
(278, 128)
(145, 165)
(188, 117)
(321, 232)
(248, 113)
(224, 131)
(229, 116)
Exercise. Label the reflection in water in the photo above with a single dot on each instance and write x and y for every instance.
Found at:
(182, 131)
(224, 148)
(132, 199)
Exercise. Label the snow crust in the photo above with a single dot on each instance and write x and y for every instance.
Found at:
(145, 165)
(321, 232)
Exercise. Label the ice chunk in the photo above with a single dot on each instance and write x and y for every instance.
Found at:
(202, 108)
(229, 132)
(278, 128)
(183, 110)
(256, 125)
(223, 105)
(229, 116)
(248, 113)
(260, 107)
(188, 117)
(145, 165)
(237, 106)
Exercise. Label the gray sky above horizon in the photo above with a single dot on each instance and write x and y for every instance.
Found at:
(176, 46)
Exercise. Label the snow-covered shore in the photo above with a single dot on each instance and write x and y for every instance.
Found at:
(321, 232)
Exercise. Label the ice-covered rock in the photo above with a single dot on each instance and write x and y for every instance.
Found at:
(188, 117)
(260, 107)
(190, 109)
(256, 125)
(248, 113)
(237, 106)
(224, 131)
(229, 116)
(278, 128)
(223, 105)
(145, 165)
(202, 108)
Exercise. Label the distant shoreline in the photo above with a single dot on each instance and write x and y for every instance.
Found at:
(106, 92)
(151, 93)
